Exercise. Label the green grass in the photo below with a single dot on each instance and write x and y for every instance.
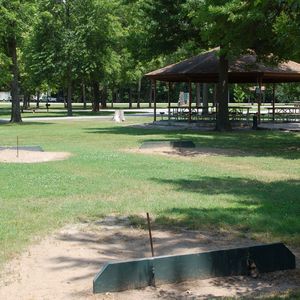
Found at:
(254, 192)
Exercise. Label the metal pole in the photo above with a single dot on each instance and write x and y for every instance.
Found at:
(150, 234)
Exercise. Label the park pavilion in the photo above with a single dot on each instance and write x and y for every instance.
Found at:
(204, 68)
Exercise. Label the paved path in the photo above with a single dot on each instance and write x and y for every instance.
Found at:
(36, 119)
(139, 113)
(281, 126)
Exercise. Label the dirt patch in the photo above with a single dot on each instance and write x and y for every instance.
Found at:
(63, 265)
(27, 156)
(189, 152)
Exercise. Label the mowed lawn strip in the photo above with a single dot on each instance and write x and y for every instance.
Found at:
(252, 189)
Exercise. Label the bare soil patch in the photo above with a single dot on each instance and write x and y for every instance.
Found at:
(27, 156)
(189, 152)
(63, 265)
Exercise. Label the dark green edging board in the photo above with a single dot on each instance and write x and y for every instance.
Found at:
(172, 144)
(139, 273)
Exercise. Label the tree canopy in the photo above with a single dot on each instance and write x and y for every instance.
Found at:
(109, 44)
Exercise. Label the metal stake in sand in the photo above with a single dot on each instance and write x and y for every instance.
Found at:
(150, 234)
(152, 278)
(17, 146)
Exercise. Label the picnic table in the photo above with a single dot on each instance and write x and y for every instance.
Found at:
(284, 113)
(182, 112)
(238, 113)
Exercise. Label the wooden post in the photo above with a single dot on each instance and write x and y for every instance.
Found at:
(154, 98)
(190, 102)
(169, 100)
(273, 103)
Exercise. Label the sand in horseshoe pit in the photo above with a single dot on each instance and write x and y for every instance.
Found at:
(63, 265)
(187, 153)
(28, 156)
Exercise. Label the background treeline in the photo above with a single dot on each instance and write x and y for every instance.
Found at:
(98, 50)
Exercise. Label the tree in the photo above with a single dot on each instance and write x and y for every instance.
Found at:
(54, 45)
(14, 18)
(237, 26)
(102, 39)
(158, 33)
(287, 29)
(5, 77)
(74, 42)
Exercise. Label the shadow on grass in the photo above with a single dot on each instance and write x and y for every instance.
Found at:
(7, 123)
(53, 113)
(253, 143)
(265, 208)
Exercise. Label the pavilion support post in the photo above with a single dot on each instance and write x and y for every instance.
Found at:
(215, 95)
(169, 100)
(198, 94)
(273, 103)
(154, 97)
(190, 102)
(205, 99)
(259, 102)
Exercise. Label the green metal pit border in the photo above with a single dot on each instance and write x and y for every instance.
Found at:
(140, 273)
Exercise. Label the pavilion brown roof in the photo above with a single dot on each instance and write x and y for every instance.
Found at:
(204, 68)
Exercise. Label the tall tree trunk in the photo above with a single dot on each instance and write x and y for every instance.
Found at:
(150, 96)
(113, 97)
(118, 95)
(26, 100)
(69, 98)
(96, 92)
(138, 104)
(24, 106)
(119, 99)
(104, 98)
(130, 97)
(38, 95)
(223, 122)
(83, 96)
(15, 109)
(65, 99)
(69, 69)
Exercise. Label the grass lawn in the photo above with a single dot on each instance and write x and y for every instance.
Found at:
(255, 193)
